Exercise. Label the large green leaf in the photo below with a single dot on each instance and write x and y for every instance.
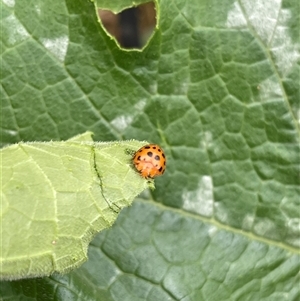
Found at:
(218, 88)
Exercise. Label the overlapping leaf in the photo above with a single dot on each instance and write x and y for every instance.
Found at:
(56, 196)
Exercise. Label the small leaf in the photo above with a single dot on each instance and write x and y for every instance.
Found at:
(56, 196)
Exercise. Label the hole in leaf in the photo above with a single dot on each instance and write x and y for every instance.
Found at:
(132, 28)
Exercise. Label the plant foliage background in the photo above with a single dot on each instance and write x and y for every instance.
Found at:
(218, 88)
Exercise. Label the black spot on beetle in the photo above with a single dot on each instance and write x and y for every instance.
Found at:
(160, 169)
(150, 154)
(157, 157)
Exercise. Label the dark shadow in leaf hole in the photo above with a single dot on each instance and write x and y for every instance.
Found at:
(132, 28)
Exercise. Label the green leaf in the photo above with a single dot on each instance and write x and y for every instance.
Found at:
(118, 6)
(218, 88)
(56, 196)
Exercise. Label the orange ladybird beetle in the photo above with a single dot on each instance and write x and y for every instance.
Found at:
(150, 161)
